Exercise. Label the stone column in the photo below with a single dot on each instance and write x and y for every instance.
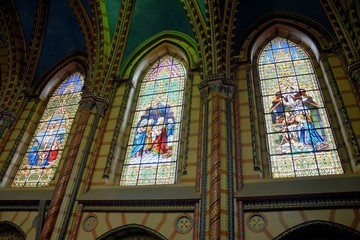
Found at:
(86, 105)
(100, 106)
(217, 163)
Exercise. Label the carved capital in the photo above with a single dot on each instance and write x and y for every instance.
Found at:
(101, 105)
(353, 71)
(337, 48)
(86, 103)
(217, 83)
(6, 118)
(93, 103)
(204, 90)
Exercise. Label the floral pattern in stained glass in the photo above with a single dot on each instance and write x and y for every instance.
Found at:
(43, 155)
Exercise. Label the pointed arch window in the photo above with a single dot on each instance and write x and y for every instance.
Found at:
(153, 147)
(298, 133)
(42, 157)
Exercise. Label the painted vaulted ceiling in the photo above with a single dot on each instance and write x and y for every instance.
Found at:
(54, 29)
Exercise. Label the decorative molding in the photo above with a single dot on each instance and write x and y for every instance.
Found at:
(139, 206)
(183, 224)
(217, 83)
(115, 137)
(257, 222)
(249, 85)
(14, 40)
(298, 203)
(198, 26)
(85, 23)
(93, 103)
(230, 170)
(229, 26)
(188, 105)
(21, 205)
(90, 223)
(118, 44)
(338, 20)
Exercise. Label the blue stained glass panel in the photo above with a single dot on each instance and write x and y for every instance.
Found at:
(299, 137)
(152, 151)
(43, 155)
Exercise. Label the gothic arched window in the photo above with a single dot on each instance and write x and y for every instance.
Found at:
(299, 137)
(152, 151)
(47, 144)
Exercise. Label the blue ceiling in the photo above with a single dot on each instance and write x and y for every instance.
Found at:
(63, 34)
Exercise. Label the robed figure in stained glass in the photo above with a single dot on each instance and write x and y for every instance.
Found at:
(299, 136)
(43, 155)
(152, 152)
(33, 155)
(140, 138)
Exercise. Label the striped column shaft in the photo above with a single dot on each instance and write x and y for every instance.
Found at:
(204, 163)
(241, 224)
(215, 168)
(59, 192)
(196, 222)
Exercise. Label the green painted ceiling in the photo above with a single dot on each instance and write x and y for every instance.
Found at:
(149, 18)
(113, 10)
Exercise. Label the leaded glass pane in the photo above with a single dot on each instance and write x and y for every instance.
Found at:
(152, 151)
(46, 147)
(299, 137)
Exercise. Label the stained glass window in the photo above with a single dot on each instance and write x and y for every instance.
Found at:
(152, 151)
(47, 144)
(299, 137)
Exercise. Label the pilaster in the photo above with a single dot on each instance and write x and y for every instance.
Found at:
(90, 103)
(217, 163)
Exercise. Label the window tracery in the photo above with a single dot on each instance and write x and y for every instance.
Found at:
(43, 155)
(152, 151)
(298, 133)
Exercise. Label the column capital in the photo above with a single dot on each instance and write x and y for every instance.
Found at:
(217, 83)
(91, 102)
(6, 118)
(353, 70)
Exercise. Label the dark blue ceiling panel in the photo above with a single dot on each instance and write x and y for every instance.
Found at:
(251, 12)
(26, 10)
(63, 35)
(87, 7)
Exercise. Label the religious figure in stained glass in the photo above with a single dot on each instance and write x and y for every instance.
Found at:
(299, 136)
(152, 152)
(43, 155)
